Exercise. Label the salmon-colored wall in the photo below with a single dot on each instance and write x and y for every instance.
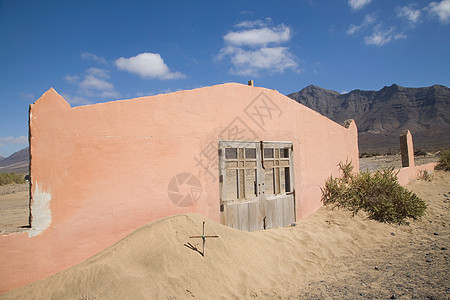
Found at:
(405, 175)
(103, 170)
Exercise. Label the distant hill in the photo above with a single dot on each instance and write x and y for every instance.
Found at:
(1, 158)
(17, 162)
(382, 115)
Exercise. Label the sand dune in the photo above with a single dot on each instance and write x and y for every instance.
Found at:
(327, 255)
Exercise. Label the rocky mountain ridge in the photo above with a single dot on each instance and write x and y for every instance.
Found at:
(382, 115)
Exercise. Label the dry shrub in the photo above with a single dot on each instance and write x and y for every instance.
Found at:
(444, 161)
(11, 178)
(379, 194)
(424, 175)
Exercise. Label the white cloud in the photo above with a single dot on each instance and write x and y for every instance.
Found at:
(411, 14)
(249, 51)
(368, 20)
(400, 36)
(381, 37)
(94, 84)
(252, 62)
(101, 73)
(246, 12)
(27, 96)
(9, 140)
(147, 65)
(256, 23)
(353, 29)
(259, 36)
(441, 10)
(72, 79)
(96, 79)
(93, 57)
(374, 33)
(358, 4)
(109, 94)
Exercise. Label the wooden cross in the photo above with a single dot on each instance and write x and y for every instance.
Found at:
(203, 236)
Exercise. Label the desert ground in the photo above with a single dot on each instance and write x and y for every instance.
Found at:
(370, 164)
(14, 210)
(329, 255)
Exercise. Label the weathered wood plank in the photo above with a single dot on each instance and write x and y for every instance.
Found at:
(232, 216)
(270, 213)
(289, 210)
(279, 212)
(243, 216)
(253, 216)
(262, 207)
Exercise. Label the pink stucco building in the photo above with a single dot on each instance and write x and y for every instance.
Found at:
(244, 156)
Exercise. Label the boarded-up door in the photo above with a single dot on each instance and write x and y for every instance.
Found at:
(256, 184)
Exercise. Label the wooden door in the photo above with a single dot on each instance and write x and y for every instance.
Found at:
(279, 197)
(256, 184)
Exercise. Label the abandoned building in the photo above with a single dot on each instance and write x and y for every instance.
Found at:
(247, 157)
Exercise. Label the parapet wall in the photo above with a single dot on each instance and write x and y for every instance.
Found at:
(409, 170)
(407, 174)
(100, 171)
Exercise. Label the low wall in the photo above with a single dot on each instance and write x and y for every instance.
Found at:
(100, 171)
(407, 174)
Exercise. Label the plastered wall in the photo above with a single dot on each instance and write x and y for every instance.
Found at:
(100, 171)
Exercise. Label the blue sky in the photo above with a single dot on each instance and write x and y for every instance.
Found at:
(97, 51)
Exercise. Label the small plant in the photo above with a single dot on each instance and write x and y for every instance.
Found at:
(369, 154)
(444, 161)
(11, 178)
(420, 153)
(424, 175)
(379, 194)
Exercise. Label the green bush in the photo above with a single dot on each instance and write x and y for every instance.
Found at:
(10, 178)
(444, 161)
(379, 194)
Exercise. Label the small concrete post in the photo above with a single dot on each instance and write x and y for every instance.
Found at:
(407, 149)
(250, 82)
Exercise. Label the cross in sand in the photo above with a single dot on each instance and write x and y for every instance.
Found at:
(203, 236)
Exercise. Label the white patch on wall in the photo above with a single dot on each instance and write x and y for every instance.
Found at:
(40, 211)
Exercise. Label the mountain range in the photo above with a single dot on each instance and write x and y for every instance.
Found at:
(17, 162)
(382, 115)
